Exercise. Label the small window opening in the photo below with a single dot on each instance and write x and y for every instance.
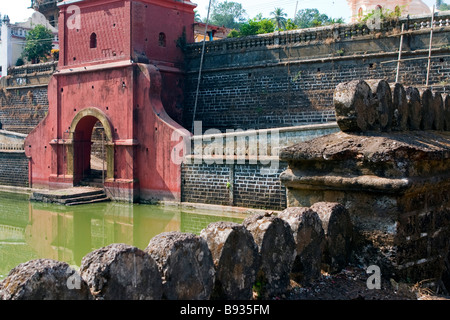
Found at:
(360, 12)
(162, 40)
(93, 42)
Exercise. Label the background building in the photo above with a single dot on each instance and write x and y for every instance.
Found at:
(13, 38)
(213, 32)
(48, 8)
(411, 7)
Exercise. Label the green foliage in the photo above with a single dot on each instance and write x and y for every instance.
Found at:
(308, 18)
(440, 5)
(231, 15)
(290, 25)
(228, 14)
(234, 34)
(20, 62)
(279, 18)
(254, 27)
(197, 17)
(39, 44)
(382, 14)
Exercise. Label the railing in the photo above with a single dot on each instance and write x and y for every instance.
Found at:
(12, 146)
(30, 69)
(332, 32)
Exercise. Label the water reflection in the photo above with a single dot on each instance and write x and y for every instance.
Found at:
(30, 230)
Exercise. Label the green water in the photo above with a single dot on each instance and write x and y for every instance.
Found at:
(32, 230)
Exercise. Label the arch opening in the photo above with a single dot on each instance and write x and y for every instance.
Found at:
(92, 150)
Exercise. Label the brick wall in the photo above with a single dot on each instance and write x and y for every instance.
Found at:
(271, 97)
(205, 183)
(242, 185)
(288, 78)
(13, 169)
(22, 108)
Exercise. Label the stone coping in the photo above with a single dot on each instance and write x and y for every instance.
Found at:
(372, 146)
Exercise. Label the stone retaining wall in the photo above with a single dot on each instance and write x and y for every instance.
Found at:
(241, 168)
(288, 78)
(13, 168)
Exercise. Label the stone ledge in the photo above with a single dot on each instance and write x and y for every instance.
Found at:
(372, 147)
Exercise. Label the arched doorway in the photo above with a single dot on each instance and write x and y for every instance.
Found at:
(88, 126)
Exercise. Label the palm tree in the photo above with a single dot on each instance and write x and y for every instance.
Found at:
(197, 17)
(279, 17)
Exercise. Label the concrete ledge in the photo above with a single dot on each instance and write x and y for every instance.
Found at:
(19, 190)
(198, 207)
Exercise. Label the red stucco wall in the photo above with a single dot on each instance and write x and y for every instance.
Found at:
(127, 80)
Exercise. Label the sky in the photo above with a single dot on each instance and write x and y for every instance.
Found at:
(18, 12)
(332, 8)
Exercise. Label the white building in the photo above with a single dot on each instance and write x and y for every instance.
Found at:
(407, 7)
(13, 38)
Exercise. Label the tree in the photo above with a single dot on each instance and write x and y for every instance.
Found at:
(228, 14)
(279, 17)
(440, 5)
(39, 43)
(197, 17)
(256, 26)
(381, 14)
(290, 25)
(308, 18)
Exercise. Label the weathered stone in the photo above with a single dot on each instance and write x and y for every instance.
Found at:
(400, 105)
(309, 238)
(438, 110)
(338, 234)
(428, 110)
(186, 265)
(415, 109)
(236, 259)
(382, 103)
(121, 272)
(276, 247)
(352, 104)
(44, 279)
(447, 112)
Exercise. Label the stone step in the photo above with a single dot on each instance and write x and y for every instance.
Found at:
(101, 199)
(82, 198)
(72, 196)
(66, 193)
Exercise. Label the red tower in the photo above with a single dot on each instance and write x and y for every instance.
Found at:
(121, 66)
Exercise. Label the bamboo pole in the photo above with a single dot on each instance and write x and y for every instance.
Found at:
(429, 51)
(400, 54)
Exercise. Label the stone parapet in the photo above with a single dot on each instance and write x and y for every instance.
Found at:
(390, 169)
(332, 32)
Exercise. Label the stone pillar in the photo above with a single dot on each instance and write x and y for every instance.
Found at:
(276, 246)
(121, 272)
(394, 181)
(236, 259)
(309, 239)
(44, 279)
(185, 263)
